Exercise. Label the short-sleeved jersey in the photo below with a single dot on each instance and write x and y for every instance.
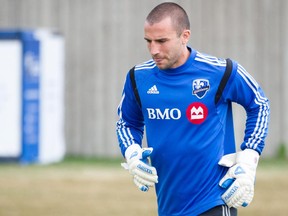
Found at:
(189, 133)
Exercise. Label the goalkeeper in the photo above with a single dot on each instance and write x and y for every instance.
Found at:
(184, 99)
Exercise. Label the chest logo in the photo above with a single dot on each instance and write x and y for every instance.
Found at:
(153, 90)
(196, 113)
(200, 87)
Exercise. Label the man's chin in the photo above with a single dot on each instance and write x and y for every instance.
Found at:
(162, 66)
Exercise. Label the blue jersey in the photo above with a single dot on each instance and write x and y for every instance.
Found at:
(189, 133)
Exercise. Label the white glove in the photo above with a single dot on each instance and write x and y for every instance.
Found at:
(144, 175)
(240, 177)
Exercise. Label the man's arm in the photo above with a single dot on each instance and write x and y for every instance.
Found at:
(240, 177)
(130, 125)
(245, 91)
(130, 128)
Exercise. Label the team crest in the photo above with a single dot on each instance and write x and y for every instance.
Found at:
(200, 87)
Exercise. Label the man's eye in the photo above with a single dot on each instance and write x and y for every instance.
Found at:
(148, 41)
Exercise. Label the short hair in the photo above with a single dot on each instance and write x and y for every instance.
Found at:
(177, 14)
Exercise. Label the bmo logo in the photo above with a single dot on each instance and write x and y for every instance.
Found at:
(167, 114)
(196, 113)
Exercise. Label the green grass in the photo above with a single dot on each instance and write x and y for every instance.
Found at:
(115, 162)
(272, 163)
(98, 186)
(91, 161)
(96, 161)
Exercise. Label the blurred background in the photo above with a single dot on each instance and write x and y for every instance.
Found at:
(98, 41)
(62, 70)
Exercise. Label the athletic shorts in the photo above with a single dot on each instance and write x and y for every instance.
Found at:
(221, 210)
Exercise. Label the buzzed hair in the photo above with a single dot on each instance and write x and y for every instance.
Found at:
(177, 14)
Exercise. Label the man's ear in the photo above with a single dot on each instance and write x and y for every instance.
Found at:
(185, 36)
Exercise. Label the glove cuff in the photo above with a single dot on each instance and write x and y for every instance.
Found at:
(133, 151)
(249, 157)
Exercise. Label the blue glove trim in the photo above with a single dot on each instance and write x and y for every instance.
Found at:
(144, 188)
(245, 204)
(146, 153)
(227, 183)
(239, 170)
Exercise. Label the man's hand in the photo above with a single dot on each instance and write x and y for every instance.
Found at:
(144, 175)
(240, 177)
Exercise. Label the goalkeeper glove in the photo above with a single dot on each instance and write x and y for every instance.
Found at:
(240, 177)
(144, 175)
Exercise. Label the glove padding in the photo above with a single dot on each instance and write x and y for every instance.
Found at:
(240, 177)
(144, 175)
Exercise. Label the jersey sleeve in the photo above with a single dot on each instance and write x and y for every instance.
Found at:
(130, 126)
(244, 90)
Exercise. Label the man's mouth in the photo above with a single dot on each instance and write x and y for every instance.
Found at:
(158, 60)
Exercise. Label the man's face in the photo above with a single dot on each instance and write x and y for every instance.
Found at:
(166, 47)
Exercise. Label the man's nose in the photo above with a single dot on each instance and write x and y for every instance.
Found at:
(154, 48)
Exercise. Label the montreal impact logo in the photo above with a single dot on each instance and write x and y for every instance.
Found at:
(200, 87)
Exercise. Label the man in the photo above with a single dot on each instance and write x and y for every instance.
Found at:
(183, 98)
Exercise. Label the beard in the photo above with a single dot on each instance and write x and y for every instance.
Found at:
(165, 62)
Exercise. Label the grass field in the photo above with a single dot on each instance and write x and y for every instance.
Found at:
(103, 188)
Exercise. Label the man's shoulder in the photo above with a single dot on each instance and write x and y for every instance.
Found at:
(144, 70)
(203, 58)
(145, 66)
(206, 62)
